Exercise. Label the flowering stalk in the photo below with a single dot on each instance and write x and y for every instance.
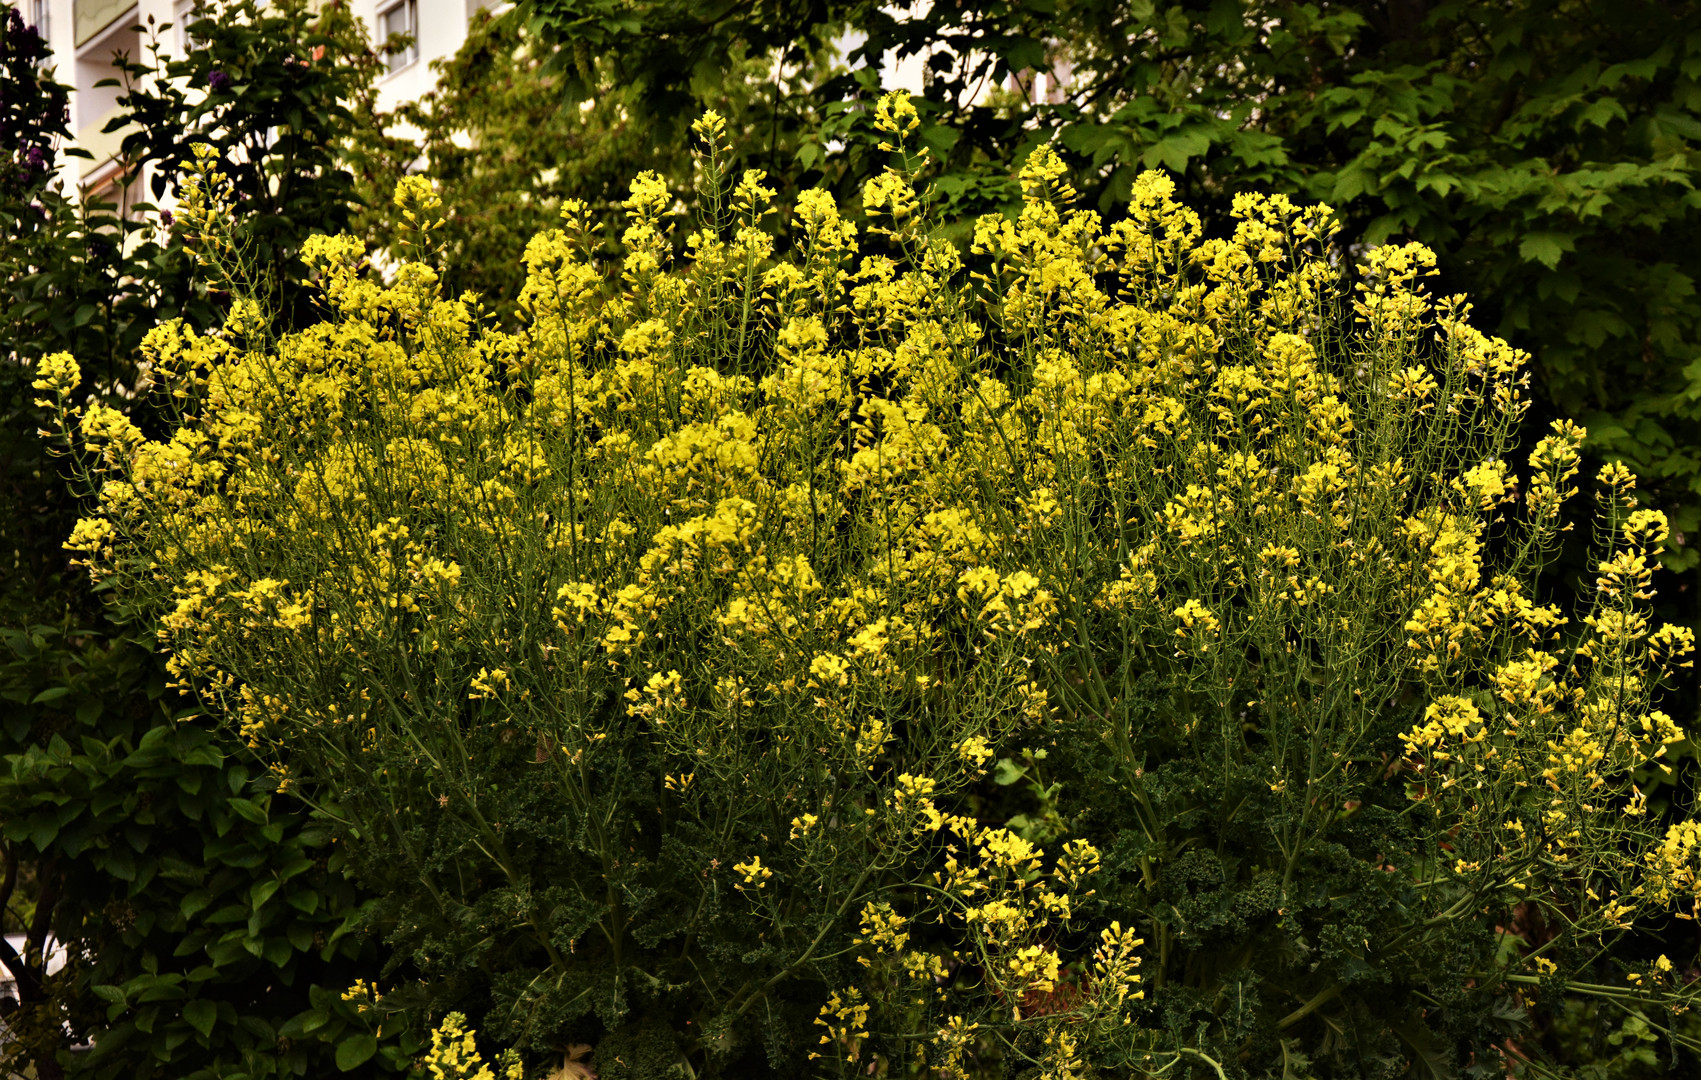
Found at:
(653, 657)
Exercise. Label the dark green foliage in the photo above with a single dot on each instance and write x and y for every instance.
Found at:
(32, 112)
(503, 151)
(1546, 148)
(1346, 969)
(518, 935)
(668, 58)
(1616, 1044)
(210, 924)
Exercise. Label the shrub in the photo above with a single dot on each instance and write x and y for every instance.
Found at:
(1117, 652)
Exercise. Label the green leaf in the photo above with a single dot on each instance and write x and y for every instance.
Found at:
(300, 936)
(52, 693)
(277, 951)
(262, 891)
(42, 830)
(940, 137)
(304, 1023)
(1350, 183)
(1429, 1060)
(246, 809)
(1173, 151)
(120, 863)
(1601, 113)
(1545, 248)
(354, 1051)
(1019, 52)
(204, 755)
(1225, 17)
(306, 900)
(201, 1014)
(195, 903)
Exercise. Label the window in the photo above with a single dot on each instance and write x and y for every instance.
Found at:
(39, 13)
(399, 21)
(183, 13)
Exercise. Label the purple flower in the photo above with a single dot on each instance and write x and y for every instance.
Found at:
(16, 29)
(166, 218)
(35, 157)
(218, 81)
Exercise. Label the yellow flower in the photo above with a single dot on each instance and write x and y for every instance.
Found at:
(1447, 720)
(57, 374)
(454, 1054)
(829, 670)
(895, 114)
(821, 531)
(754, 872)
(974, 750)
(1195, 621)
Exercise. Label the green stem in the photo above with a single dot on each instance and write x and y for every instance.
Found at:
(1328, 994)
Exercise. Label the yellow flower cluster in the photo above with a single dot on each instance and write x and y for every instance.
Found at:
(845, 1018)
(363, 994)
(454, 1055)
(754, 872)
(1525, 731)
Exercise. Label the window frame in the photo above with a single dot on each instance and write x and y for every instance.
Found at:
(184, 12)
(409, 11)
(40, 17)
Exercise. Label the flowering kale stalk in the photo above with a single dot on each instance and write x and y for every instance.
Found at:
(1102, 651)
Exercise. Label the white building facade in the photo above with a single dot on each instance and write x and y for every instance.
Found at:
(86, 35)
